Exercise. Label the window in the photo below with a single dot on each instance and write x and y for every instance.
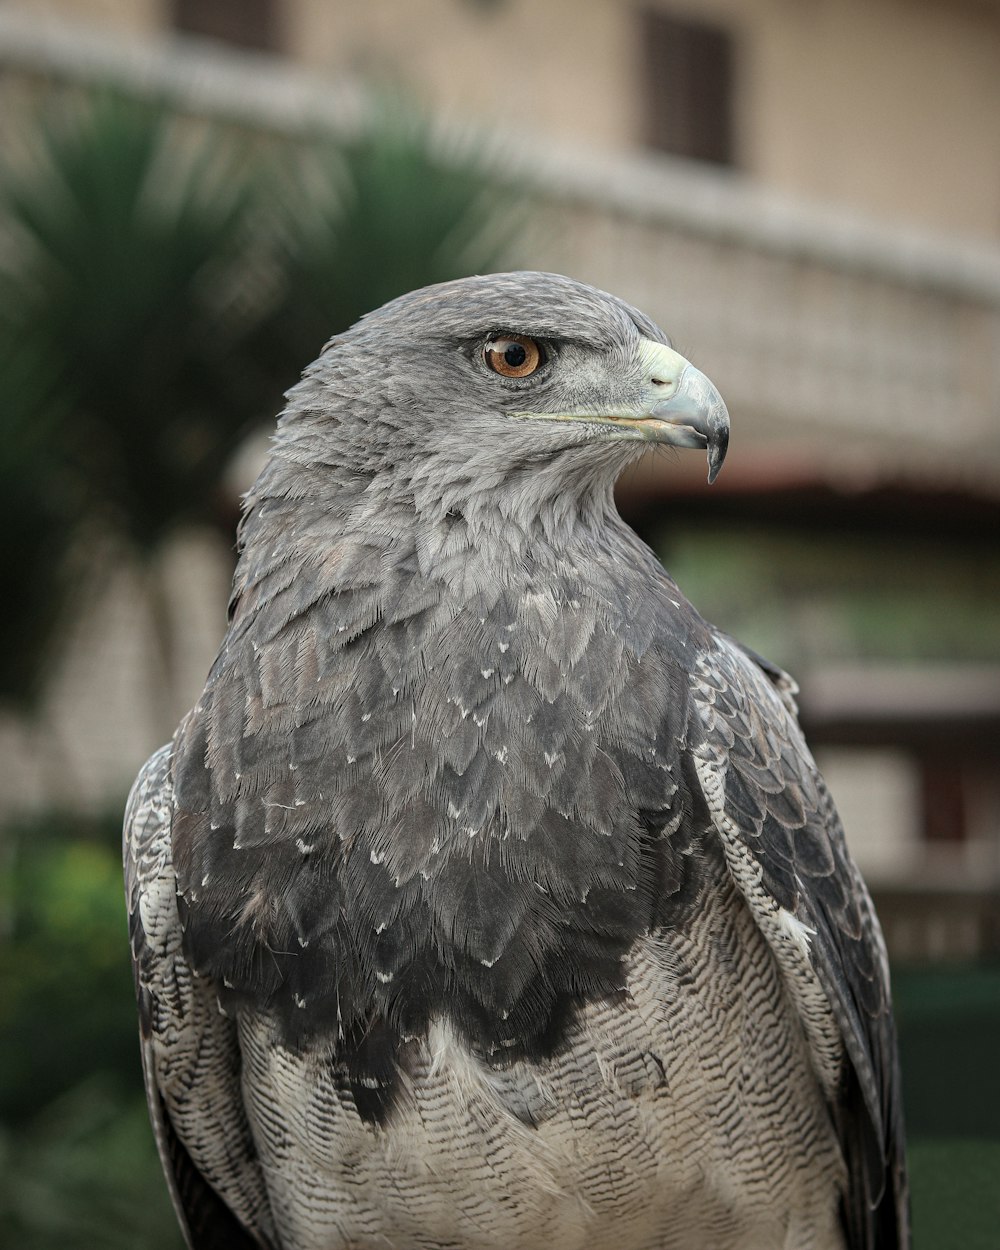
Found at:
(944, 797)
(246, 23)
(687, 72)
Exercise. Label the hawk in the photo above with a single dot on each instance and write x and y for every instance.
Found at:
(489, 897)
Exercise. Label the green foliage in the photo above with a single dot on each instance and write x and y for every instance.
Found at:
(83, 1175)
(956, 1198)
(394, 208)
(949, 1023)
(130, 236)
(161, 284)
(67, 1008)
(800, 598)
(78, 1167)
(38, 508)
(122, 389)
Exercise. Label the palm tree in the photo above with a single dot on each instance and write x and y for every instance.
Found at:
(396, 206)
(161, 283)
(123, 386)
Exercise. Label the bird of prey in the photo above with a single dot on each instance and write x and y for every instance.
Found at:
(489, 897)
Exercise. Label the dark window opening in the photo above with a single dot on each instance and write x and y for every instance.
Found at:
(246, 23)
(687, 71)
(944, 800)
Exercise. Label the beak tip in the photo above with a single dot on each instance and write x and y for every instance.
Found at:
(718, 445)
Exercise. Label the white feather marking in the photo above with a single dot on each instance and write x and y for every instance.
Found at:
(798, 933)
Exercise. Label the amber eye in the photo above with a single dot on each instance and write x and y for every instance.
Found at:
(514, 355)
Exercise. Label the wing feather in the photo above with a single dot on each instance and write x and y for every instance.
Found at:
(190, 1053)
(786, 850)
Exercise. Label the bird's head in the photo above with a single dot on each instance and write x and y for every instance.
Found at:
(489, 383)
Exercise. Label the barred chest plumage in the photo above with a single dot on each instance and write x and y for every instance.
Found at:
(681, 1115)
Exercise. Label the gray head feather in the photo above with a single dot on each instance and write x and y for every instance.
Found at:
(401, 412)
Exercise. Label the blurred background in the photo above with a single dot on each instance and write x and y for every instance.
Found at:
(195, 194)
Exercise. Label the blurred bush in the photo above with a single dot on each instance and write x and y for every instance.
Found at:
(78, 1167)
(122, 252)
(357, 221)
(803, 598)
(956, 1198)
(83, 1175)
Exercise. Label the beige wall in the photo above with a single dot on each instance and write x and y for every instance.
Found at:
(140, 16)
(890, 107)
(553, 66)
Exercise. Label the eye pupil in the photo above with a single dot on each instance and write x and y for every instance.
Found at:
(515, 355)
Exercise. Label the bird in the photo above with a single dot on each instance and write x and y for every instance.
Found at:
(489, 896)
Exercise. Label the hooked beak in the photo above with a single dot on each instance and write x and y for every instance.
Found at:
(693, 415)
(676, 405)
(685, 409)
